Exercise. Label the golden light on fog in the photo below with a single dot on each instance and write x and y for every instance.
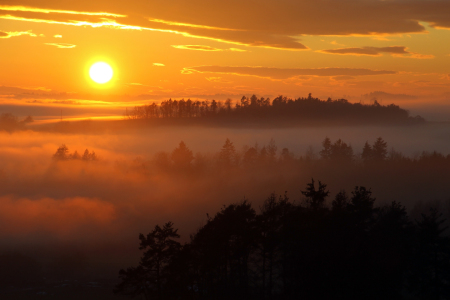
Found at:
(101, 72)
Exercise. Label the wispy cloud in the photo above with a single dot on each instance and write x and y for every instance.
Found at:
(237, 50)
(368, 50)
(9, 34)
(279, 73)
(399, 51)
(62, 45)
(58, 11)
(196, 47)
(190, 25)
(159, 65)
(57, 36)
(104, 23)
(206, 48)
(100, 19)
(217, 79)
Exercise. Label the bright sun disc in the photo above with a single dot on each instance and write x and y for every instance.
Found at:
(101, 72)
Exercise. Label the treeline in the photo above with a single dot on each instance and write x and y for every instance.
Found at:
(283, 110)
(10, 122)
(347, 249)
(338, 153)
(62, 153)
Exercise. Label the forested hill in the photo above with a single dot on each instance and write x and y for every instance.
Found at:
(279, 111)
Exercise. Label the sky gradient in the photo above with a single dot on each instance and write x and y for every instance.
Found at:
(213, 49)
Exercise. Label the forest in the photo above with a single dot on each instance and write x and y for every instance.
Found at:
(281, 111)
(422, 176)
(330, 240)
(351, 249)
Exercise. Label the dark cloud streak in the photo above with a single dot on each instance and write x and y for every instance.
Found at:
(368, 50)
(278, 73)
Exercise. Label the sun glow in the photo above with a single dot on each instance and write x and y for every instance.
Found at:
(101, 72)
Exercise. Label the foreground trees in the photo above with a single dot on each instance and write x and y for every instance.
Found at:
(346, 249)
(151, 276)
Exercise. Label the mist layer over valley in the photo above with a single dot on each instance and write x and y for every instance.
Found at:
(92, 208)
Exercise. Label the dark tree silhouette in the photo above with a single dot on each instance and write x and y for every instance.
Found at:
(431, 261)
(350, 249)
(341, 152)
(61, 153)
(282, 111)
(316, 198)
(379, 149)
(222, 251)
(151, 275)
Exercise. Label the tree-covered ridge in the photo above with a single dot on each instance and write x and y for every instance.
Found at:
(281, 109)
(10, 122)
(339, 154)
(346, 248)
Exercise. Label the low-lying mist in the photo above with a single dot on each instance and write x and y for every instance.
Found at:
(98, 207)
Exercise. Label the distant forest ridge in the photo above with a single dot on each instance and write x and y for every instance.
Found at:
(281, 110)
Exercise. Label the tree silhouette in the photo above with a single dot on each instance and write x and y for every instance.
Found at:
(315, 198)
(379, 149)
(227, 154)
(89, 156)
(222, 252)
(325, 153)
(351, 250)
(340, 151)
(367, 153)
(271, 151)
(270, 222)
(62, 153)
(340, 201)
(431, 274)
(282, 111)
(150, 276)
(182, 156)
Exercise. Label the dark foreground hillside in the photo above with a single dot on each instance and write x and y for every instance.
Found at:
(352, 249)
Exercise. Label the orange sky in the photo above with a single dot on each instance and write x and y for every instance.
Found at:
(219, 49)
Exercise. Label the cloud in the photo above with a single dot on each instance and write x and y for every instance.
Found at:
(196, 47)
(57, 36)
(272, 24)
(205, 48)
(418, 56)
(322, 17)
(59, 11)
(343, 77)
(159, 64)
(188, 25)
(62, 45)
(399, 51)
(368, 50)
(7, 35)
(95, 20)
(278, 73)
(237, 50)
(217, 79)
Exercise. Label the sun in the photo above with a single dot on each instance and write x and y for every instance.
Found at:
(101, 72)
